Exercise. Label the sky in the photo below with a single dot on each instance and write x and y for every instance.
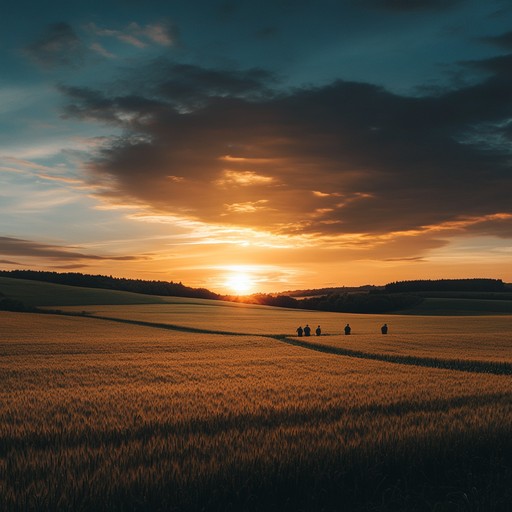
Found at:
(257, 146)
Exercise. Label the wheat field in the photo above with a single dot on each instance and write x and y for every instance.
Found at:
(247, 318)
(101, 415)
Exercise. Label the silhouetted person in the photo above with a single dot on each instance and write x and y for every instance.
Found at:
(384, 329)
(318, 331)
(307, 330)
(299, 331)
(347, 329)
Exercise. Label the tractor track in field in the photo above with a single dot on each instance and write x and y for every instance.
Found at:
(463, 365)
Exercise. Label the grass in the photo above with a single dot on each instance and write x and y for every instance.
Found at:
(467, 346)
(100, 415)
(36, 293)
(243, 318)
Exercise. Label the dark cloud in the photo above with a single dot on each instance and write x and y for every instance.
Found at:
(501, 41)
(344, 158)
(499, 226)
(9, 262)
(57, 46)
(70, 267)
(184, 83)
(28, 248)
(167, 86)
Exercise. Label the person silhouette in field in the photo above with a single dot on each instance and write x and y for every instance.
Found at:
(307, 330)
(348, 329)
(299, 331)
(318, 331)
(384, 329)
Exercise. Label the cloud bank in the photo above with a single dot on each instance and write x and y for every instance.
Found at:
(229, 147)
(28, 248)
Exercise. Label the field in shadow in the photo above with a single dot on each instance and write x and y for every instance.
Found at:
(148, 416)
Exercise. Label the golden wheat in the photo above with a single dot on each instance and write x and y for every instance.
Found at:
(98, 415)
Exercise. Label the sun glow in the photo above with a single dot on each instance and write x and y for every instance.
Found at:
(239, 282)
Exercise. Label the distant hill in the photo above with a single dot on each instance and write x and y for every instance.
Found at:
(316, 292)
(448, 285)
(162, 288)
(24, 295)
(453, 306)
(451, 298)
(422, 297)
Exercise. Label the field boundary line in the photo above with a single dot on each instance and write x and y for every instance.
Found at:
(172, 327)
(474, 366)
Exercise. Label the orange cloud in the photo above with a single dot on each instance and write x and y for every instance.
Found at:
(243, 178)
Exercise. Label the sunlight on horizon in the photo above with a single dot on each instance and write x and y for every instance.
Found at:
(240, 282)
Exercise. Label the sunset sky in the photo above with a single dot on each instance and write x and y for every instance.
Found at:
(257, 146)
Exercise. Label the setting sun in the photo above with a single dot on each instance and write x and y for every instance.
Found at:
(239, 282)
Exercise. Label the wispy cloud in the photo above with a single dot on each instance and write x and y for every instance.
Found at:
(139, 36)
(58, 45)
(29, 248)
(99, 49)
(44, 172)
(243, 178)
(9, 262)
(247, 207)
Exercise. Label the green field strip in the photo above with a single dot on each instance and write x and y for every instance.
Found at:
(496, 368)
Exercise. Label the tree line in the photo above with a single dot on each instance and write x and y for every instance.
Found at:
(113, 283)
(447, 285)
(363, 302)
(394, 296)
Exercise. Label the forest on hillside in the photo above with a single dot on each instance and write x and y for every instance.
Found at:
(396, 296)
(166, 288)
(448, 285)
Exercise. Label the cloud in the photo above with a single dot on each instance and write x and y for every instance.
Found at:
(162, 33)
(99, 49)
(247, 207)
(9, 262)
(27, 248)
(140, 36)
(243, 179)
(345, 158)
(58, 46)
(187, 87)
(501, 41)
(181, 88)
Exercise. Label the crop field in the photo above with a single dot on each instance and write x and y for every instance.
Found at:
(245, 318)
(492, 347)
(114, 416)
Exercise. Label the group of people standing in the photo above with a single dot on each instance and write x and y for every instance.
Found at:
(306, 331)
